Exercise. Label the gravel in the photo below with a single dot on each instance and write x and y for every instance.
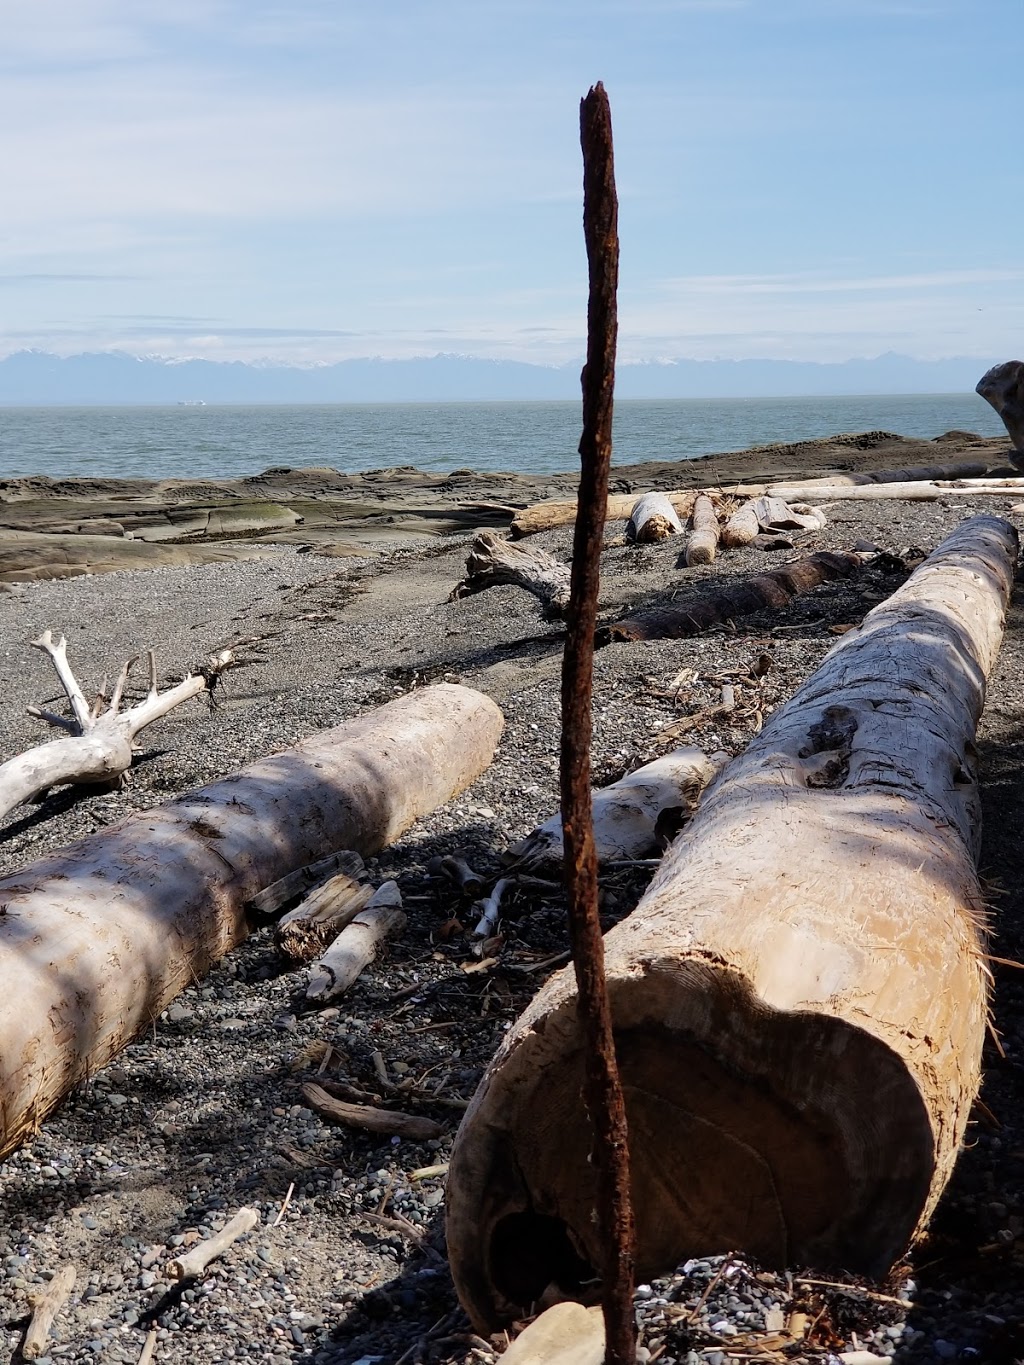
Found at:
(204, 1115)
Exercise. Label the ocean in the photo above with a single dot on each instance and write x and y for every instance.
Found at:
(531, 438)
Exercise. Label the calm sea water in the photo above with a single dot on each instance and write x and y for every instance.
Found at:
(229, 442)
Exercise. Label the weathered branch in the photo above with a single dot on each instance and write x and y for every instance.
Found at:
(493, 561)
(356, 945)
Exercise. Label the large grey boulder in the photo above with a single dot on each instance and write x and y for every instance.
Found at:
(1003, 387)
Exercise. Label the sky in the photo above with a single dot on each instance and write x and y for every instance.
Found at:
(314, 180)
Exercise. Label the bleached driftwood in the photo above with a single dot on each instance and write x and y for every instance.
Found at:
(100, 741)
(490, 909)
(356, 945)
(653, 518)
(458, 871)
(702, 545)
(271, 898)
(763, 591)
(631, 816)
(97, 939)
(545, 516)
(797, 1083)
(769, 513)
(905, 492)
(45, 1308)
(1003, 387)
(194, 1262)
(303, 932)
(493, 561)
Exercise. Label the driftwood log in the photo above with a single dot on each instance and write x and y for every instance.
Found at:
(766, 590)
(320, 917)
(800, 998)
(769, 513)
(493, 561)
(96, 940)
(100, 741)
(702, 545)
(634, 817)
(1003, 387)
(356, 945)
(904, 492)
(653, 518)
(545, 516)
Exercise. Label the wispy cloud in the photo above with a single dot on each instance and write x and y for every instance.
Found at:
(824, 284)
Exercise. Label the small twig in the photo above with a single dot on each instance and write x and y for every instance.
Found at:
(709, 1289)
(284, 1207)
(854, 1289)
(148, 1348)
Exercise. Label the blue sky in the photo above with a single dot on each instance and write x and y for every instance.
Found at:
(318, 179)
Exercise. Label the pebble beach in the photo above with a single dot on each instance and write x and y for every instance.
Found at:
(204, 1114)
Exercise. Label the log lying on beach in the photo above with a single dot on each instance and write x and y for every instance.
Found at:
(356, 945)
(493, 561)
(653, 518)
(100, 740)
(320, 917)
(765, 590)
(769, 513)
(634, 817)
(800, 998)
(546, 516)
(904, 492)
(96, 940)
(1003, 387)
(702, 545)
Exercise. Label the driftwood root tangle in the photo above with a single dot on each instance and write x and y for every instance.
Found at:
(100, 740)
(493, 561)
(96, 940)
(766, 591)
(797, 1082)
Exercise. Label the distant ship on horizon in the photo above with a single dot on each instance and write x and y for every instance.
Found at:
(191, 402)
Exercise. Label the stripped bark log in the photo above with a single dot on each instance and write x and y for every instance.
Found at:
(762, 592)
(653, 518)
(798, 1085)
(742, 527)
(634, 817)
(356, 945)
(101, 738)
(702, 546)
(96, 940)
(905, 492)
(492, 561)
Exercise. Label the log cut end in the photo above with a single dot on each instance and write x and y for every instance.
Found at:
(794, 1137)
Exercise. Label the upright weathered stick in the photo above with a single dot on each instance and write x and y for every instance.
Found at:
(602, 1088)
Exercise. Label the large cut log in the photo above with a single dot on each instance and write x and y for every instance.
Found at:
(904, 492)
(97, 939)
(633, 817)
(1003, 387)
(653, 518)
(702, 545)
(763, 591)
(800, 998)
(493, 561)
(546, 516)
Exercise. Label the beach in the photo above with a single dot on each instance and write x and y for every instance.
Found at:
(329, 617)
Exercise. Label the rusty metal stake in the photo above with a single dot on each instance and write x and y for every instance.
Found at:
(603, 1092)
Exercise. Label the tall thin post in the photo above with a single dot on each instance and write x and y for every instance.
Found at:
(603, 1092)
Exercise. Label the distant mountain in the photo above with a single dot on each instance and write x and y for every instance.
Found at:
(35, 377)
